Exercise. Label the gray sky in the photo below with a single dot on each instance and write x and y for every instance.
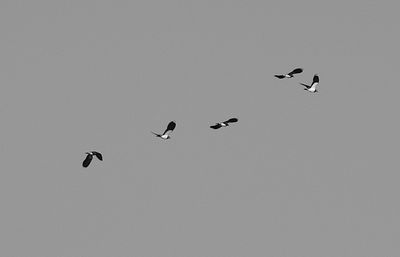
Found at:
(299, 175)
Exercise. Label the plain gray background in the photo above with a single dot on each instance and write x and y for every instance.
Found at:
(300, 174)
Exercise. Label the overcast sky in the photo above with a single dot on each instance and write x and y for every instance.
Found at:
(300, 174)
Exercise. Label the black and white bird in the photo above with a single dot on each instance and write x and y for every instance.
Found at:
(224, 123)
(171, 126)
(89, 158)
(312, 88)
(290, 74)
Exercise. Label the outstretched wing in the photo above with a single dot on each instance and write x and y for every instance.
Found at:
(216, 126)
(232, 120)
(157, 135)
(171, 126)
(87, 160)
(98, 155)
(280, 76)
(305, 85)
(315, 79)
(296, 71)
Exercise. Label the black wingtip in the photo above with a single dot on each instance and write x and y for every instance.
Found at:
(87, 161)
(316, 78)
(216, 126)
(232, 120)
(297, 71)
(98, 155)
(171, 126)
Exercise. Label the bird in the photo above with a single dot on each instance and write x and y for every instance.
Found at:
(89, 158)
(171, 126)
(290, 74)
(312, 88)
(224, 123)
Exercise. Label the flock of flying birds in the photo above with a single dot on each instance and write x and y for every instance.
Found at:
(172, 124)
(310, 88)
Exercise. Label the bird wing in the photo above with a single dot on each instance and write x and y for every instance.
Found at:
(305, 85)
(232, 120)
(87, 160)
(158, 135)
(216, 126)
(171, 126)
(296, 71)
(315, 79)
(98, 155)
(280, 76)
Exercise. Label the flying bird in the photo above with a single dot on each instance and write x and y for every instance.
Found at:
(290, 74)
(312, 88)
(171, 126)
(89, 158)
(224, 123)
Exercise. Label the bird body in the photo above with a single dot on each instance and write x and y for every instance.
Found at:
(89, 158)
(282, 76)
(171, 126)
(313, 87)
(166, 136)
(290, 74)
(224, 123)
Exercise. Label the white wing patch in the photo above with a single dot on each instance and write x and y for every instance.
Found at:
(313, 87)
